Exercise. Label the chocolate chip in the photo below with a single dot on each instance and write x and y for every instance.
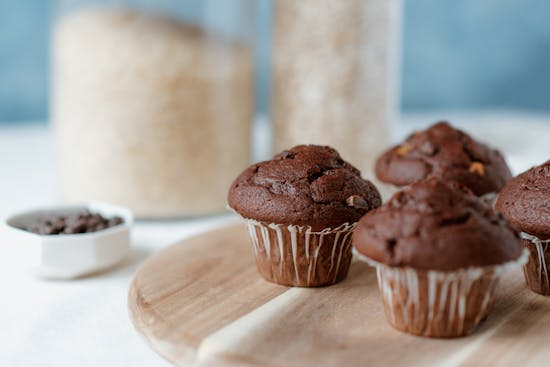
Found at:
(80, 222)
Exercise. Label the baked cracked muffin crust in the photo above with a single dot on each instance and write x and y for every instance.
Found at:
(447, 153)
(436, 225)
(525, 201)
(300, 208)
(306, 185)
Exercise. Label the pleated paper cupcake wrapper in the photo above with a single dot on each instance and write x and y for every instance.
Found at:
(437, 303)
(297, 256)
(537, 269)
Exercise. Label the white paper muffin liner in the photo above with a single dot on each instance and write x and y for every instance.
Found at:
(540, 282)
(438, 303)
(297, 256)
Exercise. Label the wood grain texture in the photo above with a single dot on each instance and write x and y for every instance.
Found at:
(202, 303)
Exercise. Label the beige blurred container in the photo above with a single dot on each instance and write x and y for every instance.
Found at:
(150, 112)
(335, 75)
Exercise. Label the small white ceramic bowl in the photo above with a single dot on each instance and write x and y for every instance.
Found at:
(68, 256)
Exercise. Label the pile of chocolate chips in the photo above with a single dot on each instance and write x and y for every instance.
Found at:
(79, 222)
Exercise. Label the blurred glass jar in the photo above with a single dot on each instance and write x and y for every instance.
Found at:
(152, 102)
(335, 75)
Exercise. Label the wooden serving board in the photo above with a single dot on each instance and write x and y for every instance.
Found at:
(202, 303)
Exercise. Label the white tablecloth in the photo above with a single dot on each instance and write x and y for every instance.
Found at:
(85, 322)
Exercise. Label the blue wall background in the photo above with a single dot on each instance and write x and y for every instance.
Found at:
(476, 53)
(24, 26)
(456, 54)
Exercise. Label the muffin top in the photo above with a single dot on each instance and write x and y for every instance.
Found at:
(306, 185)
(436, 225)
(448, 153)
(525, 201)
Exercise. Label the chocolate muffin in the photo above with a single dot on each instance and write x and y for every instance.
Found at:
(439, 251)
(301, 208)
(448, 153)
(525, 201)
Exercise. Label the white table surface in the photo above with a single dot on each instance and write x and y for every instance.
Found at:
(85, 322)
